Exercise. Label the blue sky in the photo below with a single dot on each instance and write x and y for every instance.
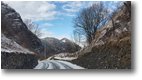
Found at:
(55, 19)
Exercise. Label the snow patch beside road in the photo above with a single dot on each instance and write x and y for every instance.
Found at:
(65, 58)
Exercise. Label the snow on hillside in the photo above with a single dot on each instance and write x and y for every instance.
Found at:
(8, 45)
(64, 56)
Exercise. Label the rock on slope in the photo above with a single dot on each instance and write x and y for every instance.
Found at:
(17, 42)
(111, 48)
(54, 46)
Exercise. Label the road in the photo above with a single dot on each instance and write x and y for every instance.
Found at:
(56, 64)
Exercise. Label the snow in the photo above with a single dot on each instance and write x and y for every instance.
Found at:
(64, 41)
(65, 58)
(8, 45)
(15, 51)
(56, 64)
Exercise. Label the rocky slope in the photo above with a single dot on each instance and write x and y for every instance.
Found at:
(13, 28)
(19, 46)
(14, 56)
(54, 46)
(111, 48)
(11, 46)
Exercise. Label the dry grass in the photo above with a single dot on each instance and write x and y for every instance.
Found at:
(115, 54)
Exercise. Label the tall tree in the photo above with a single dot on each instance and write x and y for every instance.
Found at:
(88, 20)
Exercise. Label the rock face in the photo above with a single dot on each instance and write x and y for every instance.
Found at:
(111, 48)
(13, 28)
(19, 46)
(55, 46)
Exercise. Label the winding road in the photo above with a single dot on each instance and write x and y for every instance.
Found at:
(56, 64)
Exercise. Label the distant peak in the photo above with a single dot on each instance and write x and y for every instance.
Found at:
(65, 40)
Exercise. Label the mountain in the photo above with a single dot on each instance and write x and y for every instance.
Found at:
(70, 46)
(20, 48)
(111, 48)
(13, 28)
(55, 46)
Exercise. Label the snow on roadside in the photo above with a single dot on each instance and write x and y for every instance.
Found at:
(65, 58)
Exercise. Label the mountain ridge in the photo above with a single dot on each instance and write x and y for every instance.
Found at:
(55, 46)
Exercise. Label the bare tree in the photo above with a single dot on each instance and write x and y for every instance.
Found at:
(88, 21)
(33, 27)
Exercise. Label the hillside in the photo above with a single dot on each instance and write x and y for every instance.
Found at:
(19, 46)
(108, 47)
(14, 56)
(111, 49)
(54, 46)
(13, 28)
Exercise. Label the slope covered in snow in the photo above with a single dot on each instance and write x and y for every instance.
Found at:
(8, 45)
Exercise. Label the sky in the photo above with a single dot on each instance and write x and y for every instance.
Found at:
(55, 19)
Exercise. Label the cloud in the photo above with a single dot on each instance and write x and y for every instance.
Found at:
(75, 6)
(46, 10)
(69, 8)
(72, 6)
(46, 33)
(44, 30)
(35, 10)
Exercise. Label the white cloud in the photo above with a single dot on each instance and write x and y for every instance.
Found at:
(35, 10)
(72, 6)
(46, 10)
(44, 30)
(46, 33)
(75, 6)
